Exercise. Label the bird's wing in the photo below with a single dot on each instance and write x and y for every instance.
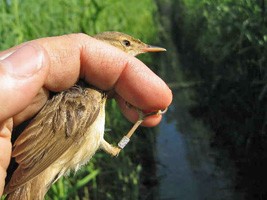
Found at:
(58, 125)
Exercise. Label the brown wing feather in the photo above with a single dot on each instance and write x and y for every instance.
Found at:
(38, 146)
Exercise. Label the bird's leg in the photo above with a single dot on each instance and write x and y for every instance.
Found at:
(114, 151)
(108, 148)
(124, 141)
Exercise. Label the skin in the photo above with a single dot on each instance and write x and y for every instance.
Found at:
(30, 70)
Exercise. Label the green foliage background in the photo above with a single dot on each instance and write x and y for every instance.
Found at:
(227, 41)
(25, 20)
(20, 21)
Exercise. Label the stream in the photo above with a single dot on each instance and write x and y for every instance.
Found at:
(188, 167)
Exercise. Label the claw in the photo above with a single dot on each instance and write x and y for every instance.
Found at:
(141, 113)
(158, 112)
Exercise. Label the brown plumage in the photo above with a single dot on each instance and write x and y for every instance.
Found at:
(66, 133)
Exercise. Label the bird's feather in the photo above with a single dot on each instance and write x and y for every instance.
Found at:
(38, 147)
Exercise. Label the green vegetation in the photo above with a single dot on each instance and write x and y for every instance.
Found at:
(25, 20)
(223, 46)
(104, 177)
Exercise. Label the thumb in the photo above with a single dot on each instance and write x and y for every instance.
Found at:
(22, 74)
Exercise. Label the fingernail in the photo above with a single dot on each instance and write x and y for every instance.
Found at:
(24, 62)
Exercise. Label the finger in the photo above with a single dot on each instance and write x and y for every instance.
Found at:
(107, 67)
(78, 55)
(133, 81)
(22, 74)
(5, 149)
(132, 115)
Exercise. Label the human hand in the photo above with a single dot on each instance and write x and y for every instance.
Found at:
(29, 71)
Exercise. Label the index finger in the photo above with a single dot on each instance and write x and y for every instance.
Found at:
(107, 67)
(75, 56)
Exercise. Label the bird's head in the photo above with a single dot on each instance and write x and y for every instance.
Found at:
(127, 43)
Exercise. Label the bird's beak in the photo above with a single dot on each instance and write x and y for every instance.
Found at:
(150, 48)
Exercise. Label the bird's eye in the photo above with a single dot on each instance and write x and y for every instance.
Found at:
(126, 43)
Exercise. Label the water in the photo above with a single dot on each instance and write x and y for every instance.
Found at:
(188, 168)
(177, 179)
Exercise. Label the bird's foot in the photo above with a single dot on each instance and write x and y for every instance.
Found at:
(125, 140)
(114, 151)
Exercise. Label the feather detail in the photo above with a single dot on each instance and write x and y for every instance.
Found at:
(67, 115)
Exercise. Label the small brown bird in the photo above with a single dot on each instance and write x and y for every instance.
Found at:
(67, 132)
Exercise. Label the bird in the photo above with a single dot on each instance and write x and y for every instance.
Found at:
(67, 131)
